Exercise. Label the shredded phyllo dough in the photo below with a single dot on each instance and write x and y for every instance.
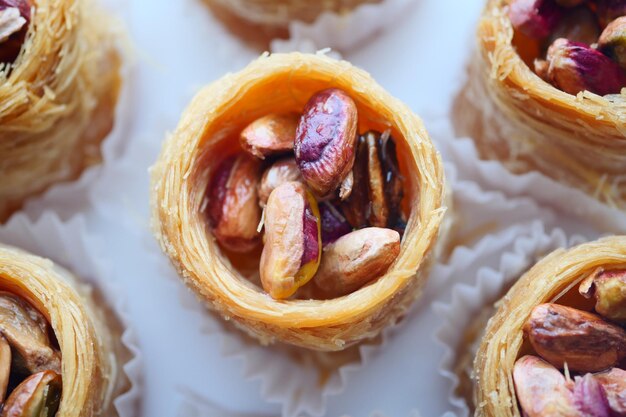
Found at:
(518, 118)
(88, 334)
(283, 83)
(58, 99)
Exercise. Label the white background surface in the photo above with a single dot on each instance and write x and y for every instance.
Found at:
(179, 47)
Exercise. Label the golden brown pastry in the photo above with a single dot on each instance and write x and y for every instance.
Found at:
(61, 337)
(59, 85)
(229, 281)
(261, 20)
(532, 124)
(556, 345)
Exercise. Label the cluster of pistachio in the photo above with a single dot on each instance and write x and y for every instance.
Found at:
(328, 199)
(584, 40)
(30, 363)
(590, 348)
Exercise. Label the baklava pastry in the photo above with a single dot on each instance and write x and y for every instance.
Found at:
(61, 353)
(59, 82)
(301, 201)
(546, 92)
(557, 343)
(267, 19)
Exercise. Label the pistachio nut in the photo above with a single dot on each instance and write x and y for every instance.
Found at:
(334, 223)
(535, 18)
(26, 330)
(293, 248)
(578, 24)
(609, 289)
(541, 389)
(590, 398)
(14, 19)
(270, 135)
(279, 172)
(575, 67)
(39, 395)
(614, 384)
(233, 206)
(583, 340)
(326, 139)
(612, 41)
(356, 259)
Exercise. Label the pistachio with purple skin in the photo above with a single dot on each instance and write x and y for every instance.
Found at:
(614, 384)
(583, 340)
(326, 139)
(232, 205)
(270, 135)
(356, 259)
(590, 398)
(293, 248)
(535, 18)
(14, 20)
(575, 67)
(609, 10)
(278, 173)
(578, 24)
(541, 389)
(609, 290)
(39, 395)
(334, 223)
(612, 41)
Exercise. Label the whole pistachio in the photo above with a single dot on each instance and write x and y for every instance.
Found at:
(357, 258)
(5, 367)
(535, 18)
(14, 19)
(39, 395)
(609, 10)
(578, 24)
(326, 139)
(541, 389)
(575, 67)
(609, 290)
(334, 223)
(590, 398)
(293, 248)
(270, 135)
(614, 384)
(612, 41)
(233, 207)
(26, 330)
(584, 341)
(279, 172)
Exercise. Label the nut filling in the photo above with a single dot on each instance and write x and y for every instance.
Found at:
(325, 200)
(577, 45)
(14, 20)
(30, 361)
(589, 348)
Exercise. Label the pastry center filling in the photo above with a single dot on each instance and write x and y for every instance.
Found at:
(30, 360)
(314, 206)
(575, 351)
(14, 20)
(575, 45)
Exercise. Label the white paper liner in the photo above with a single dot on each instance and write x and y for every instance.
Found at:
(577, 211)
(294, 383)
(341, 32)
(70, 197)
(69, 245)
(469, 298)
